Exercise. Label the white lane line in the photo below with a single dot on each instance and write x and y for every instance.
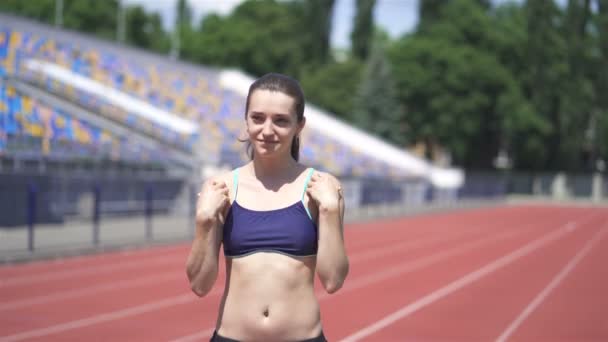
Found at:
(461, 282)
(91, 270)
(552, 285)
(75, 261)
(93, 290)
(199, 336)
(110, 316)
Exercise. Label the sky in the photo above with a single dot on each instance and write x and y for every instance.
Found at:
(395, 16)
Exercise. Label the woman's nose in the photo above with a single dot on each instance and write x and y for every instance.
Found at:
(267, 129)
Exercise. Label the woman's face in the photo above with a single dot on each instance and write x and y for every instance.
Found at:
(272, 123)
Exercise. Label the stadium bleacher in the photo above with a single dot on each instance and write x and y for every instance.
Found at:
(197, 97)
(66, 96)
(31, 128)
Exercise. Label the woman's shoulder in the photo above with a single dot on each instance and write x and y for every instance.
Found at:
(223, 176)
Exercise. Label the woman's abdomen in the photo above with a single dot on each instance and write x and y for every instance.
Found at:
(269, 298)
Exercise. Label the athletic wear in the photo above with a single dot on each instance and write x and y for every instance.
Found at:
(219, 338)
(289, 230)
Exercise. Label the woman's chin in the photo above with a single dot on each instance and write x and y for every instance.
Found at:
(266, 151)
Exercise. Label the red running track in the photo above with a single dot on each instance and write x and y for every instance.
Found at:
(524, 273)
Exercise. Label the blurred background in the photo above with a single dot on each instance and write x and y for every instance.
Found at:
(112, 112)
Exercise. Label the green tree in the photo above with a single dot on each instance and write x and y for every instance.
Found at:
(547, 70)
(91, 16)
(184, 37)
(578, 99)
(315, 29)
(458, 97)
(332, 86)
(376, 107)
(362, 34)
(258, 37)
(527, 129)
(429, 13)
(145, 30)
(41, 10)
(458, 79)
(600, 127)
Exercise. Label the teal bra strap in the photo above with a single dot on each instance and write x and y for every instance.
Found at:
(304, 192)
(235, 183)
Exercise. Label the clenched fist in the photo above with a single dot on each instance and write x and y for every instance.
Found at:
(325, 190)
(213, 200)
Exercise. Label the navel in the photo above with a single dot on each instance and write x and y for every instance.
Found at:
(266, 312)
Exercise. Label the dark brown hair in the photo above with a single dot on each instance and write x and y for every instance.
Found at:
(288, 86)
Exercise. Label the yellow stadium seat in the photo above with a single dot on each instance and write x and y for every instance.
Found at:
(27, 105)
(35, 130)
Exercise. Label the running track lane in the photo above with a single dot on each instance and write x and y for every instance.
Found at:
(197, 315)
(395, 266)
(383, 299)
(356, 235)
(483, 309)
(107, 262)
(574, 304)
(89, 278)
(113, 327)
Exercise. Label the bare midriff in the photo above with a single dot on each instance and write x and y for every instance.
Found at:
(269, 297)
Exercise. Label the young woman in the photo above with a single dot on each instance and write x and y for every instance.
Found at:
(279, 221)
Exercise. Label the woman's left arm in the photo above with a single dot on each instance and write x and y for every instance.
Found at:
(332, 261)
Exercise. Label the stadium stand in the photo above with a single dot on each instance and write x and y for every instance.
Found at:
(67, 96)
(33, 129)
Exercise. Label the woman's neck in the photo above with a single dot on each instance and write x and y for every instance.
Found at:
(273, 168)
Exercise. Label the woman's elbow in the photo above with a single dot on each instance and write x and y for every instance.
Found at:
(200, 289)
(332, 286)
(333, 283)
(202, 282)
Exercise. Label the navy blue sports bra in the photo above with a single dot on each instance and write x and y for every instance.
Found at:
(289, 230)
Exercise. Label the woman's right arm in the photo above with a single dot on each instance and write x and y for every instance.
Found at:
(202, 264)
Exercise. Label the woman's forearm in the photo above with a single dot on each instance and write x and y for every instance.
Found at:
(332, 262)
(202, 264)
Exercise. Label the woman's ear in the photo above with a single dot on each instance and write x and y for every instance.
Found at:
(301, 125)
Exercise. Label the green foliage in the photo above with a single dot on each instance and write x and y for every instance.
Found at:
(258, 37)
(145, 30)
(333, 86)
(98, 18)
(91, 16)
(601, 80)
(456, 95)
(376, 105)
(429, 13)
(41, 10)
(363, 30)
(314, 30)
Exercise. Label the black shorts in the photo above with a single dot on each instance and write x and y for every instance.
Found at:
(218, 338)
